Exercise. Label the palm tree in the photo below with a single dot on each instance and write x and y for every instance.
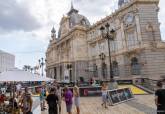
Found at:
(28, 67)
(25, 67)
(31, 69)
(35, 68)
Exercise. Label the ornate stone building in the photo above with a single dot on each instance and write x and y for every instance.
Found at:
(137, 50)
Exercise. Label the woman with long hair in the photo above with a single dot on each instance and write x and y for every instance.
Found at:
(76, 98)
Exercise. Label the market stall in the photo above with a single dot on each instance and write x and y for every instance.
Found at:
(13, 76)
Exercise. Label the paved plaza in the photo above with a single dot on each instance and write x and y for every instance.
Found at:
(142, 104)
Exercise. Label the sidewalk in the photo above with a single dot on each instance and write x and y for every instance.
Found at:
(142, 104)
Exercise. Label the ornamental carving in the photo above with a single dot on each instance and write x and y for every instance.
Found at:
(129, 20)
(149, 27)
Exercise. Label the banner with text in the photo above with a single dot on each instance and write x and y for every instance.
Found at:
(119, 95)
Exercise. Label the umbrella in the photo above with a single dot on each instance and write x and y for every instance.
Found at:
(17, 75)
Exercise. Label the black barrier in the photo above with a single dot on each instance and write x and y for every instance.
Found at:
(122, 95)
(113, 96)
(119, 95)
(90, 91)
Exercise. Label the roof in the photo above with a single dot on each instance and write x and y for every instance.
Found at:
(74, 19)
(3, 52)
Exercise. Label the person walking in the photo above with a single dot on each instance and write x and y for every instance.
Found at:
(104, 95)
(76, 98)
(18, 88)
(27, 102)
(160, 98)
(58, 93)
(68, 95)
(52, 100)
(42, 98)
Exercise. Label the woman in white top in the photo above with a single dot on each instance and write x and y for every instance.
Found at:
(104, 95)
(58, 93)
(76, 98)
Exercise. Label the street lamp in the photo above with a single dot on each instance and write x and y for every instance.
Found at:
(109, 35)
(102, 57)
(41, 64)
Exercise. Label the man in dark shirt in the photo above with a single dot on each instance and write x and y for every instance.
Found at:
(160, 98)
(52, 100)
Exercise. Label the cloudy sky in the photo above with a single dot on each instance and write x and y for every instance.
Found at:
(25, 25)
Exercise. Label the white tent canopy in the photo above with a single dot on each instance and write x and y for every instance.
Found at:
(17, 75)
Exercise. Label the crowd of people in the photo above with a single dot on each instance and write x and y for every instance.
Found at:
(18, 101)
(57, 95)
(54, 94)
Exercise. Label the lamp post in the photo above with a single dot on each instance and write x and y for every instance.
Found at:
(102, 57)
(109, 35)
(41, 64)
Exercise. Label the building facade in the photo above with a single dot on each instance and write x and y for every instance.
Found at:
(7, 61)
(137, 51)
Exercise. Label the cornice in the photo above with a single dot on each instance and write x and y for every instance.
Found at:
(120, 10)
(65, 37)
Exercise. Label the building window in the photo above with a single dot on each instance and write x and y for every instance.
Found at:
(135, 66)
(104, 70)
(115, 68)
(95, 72)
(113, 45)
(83, 22)
(60, 72)
(131, 39)
(55, 73)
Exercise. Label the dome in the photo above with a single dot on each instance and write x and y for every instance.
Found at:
(72, 19)
(120, 3)
(77, 19)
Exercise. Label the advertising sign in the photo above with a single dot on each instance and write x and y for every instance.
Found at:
(113, 95)
(119, 95)
(122, 95)
(90, 91)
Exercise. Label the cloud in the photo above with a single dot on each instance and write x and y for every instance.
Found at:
(26, 48)
(95, 10)
(29, 22)
(162, 18)
(15, 16)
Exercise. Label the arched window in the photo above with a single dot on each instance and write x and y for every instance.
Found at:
(115, 68)
(135, 66)
(83, 22)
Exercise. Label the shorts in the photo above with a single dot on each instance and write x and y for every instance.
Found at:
(104, 98)
(68, 108)
(77, 101)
